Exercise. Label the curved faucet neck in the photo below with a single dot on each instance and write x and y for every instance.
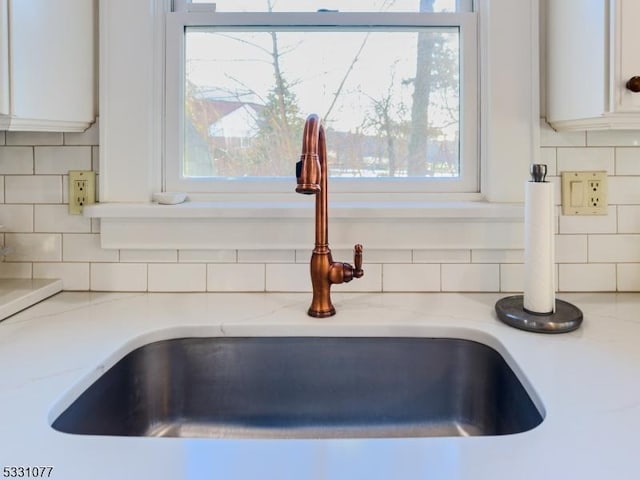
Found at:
(314, 144)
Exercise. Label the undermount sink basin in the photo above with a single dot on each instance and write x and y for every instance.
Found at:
(305, 387)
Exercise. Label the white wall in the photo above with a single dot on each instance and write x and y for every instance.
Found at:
(593, 253)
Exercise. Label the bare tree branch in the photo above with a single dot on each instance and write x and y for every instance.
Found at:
(345, 77)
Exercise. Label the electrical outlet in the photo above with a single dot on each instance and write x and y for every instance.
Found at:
(584, 193)
(82, 190)
(594, 193)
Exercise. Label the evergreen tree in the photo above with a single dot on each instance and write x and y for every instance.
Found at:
(280, 125)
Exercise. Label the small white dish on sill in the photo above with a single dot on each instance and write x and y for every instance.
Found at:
(169, 198)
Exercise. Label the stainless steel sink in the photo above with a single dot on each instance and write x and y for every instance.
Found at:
(305, 387)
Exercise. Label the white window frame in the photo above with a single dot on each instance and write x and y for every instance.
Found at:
(132, 136)
(468, 180)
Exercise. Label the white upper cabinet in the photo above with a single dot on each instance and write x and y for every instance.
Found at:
(593, 65)
(47, 65)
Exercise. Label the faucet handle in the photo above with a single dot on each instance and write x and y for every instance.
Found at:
(345, 272)
(357, 261)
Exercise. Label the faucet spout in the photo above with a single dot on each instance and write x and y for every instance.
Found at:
(308, 169)
(312, 177)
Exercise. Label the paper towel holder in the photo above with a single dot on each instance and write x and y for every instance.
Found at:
(565, 317)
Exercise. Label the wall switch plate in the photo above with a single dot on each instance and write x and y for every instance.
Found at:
(584, 193)
(82, 190)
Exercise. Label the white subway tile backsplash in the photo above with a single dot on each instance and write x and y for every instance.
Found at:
(85, 247)
(571, 248)
(303, 256)
(119, 277)
(417, 277)
(16, 218)
(512, 277)
(34, 247)
(370, 282)
(549, 158)
(628, 277)
(601, 158)
(627, 161)
(441, 256)
(385, 256)
(570, 224)
(16, 270)
(65, 189)
(95, 159)
(89, 137)
(287, 277)
(149, 256)
(300, 276)
(59, 160)
(177, 277)
(595, 277)
(50, 243)
(497, 256)
(74, 276)
(207, 256)
(266, 256)
(629, 219)
(623, 190)
(16, 160)
(470, 278)
(557, 190)
(614, 248)
(33, 189)
(56, 218)
(626, 138)
(34, 138)
(371, 256)
(550, 138)
(235, 277)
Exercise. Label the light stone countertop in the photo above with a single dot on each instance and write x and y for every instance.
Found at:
(586, 382)
(19, 293)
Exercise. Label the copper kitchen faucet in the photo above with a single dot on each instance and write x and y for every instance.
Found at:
(311, 172)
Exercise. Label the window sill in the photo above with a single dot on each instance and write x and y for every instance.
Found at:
(286, 225)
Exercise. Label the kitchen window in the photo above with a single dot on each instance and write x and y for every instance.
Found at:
(394, 81)
(133, 135)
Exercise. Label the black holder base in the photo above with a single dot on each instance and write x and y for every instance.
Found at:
(566, 318)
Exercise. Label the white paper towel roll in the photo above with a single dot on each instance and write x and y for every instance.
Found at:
(539, 256)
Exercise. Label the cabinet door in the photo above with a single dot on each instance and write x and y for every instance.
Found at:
(624, 18)
(577, 69)
(591, 54)
(49, 44)
(47, 54)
